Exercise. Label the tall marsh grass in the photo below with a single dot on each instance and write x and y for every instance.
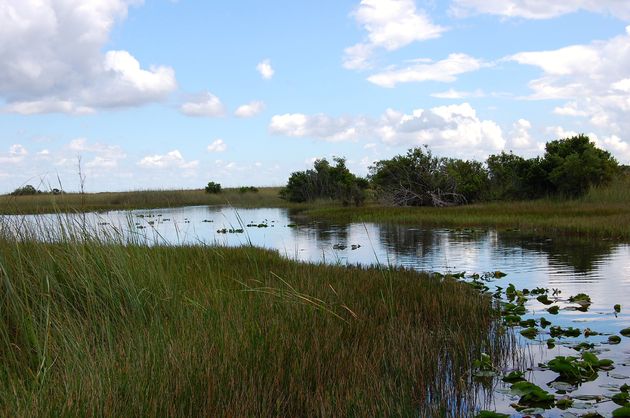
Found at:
(141, 199)
(92, 327)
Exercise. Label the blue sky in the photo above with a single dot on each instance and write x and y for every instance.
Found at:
(173, 94)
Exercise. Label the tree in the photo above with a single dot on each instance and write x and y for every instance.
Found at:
(213, 188)
(416, 179)
(575, 164)
(325, 181)
(470, 177)
(25, 191)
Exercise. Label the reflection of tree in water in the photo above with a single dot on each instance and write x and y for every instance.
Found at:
(320, 231)
(407, 241)
(578, 254)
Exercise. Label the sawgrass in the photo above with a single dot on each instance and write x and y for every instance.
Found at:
(96, 328)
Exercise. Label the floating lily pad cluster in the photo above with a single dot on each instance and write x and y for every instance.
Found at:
(571, 370)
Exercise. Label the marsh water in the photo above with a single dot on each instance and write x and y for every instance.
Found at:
(599, 268)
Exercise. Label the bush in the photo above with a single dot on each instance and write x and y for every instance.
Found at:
(325, 181)
(246, 189)
(470, 177)
(213, 187)
(25, 191)
(574, 164)
(418, 179)
(513, 177)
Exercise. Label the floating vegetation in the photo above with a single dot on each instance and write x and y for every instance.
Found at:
(579, 369)
(292, 226)
(207, 221)
(514, 376)
(339, 247)
(625, 332)
(614, 339)
(617, 308)
(490, 414)
(553, 310)
(544, 300)
(564, 332)
(529, 333)
(230, 231)
(531, 396)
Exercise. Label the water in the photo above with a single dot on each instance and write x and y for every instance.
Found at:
(598, 268)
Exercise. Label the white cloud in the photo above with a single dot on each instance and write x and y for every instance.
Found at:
(569, 109)
(265, 69)
(250, 109)
(391, 25)
(457, 95)
(317, 126)
(218, 145)
(205, 104)
(594, 79)
(103, 155)
(357, 57)
(172, 159)
(540, 9)
(455, 128)
(445, 70)
(16, 154)
(520, 137)
(53, 61)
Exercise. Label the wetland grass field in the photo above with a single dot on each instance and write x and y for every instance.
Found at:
(92, 328)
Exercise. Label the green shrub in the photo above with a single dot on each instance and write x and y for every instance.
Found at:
(213, 188)
(326, 181)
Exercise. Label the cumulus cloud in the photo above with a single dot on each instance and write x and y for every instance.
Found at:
(445, 71)
(172, 159)
(455, 128)
(594, 79)
(250, 109)
(16, 154)
(265, 69)
(53, 61)
(203, 105)
(318, 126)
(539, 9)
(391, 25)
(218, 145)
(102, 155)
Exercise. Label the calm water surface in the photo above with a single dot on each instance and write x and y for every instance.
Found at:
(599, 268)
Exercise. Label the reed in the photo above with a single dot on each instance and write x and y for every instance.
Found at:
(99, 327)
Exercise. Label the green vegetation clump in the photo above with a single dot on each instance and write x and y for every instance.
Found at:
(569, 168)
(99, 328)
(326, 181)
(213, 188)
(246, 189)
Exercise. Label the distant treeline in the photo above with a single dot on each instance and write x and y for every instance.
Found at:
(568, 169)
(30, 190)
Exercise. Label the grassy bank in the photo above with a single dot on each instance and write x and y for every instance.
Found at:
(603, 212)
(106, 330)
(144, 199)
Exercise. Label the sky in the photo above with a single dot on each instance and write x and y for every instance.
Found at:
(163, 94)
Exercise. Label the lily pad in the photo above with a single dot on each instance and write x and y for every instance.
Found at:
(529, 333)
(614, 339)
(625, 332)
(532, 395)
(623, 412)
(515, 376)
(490, 414)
